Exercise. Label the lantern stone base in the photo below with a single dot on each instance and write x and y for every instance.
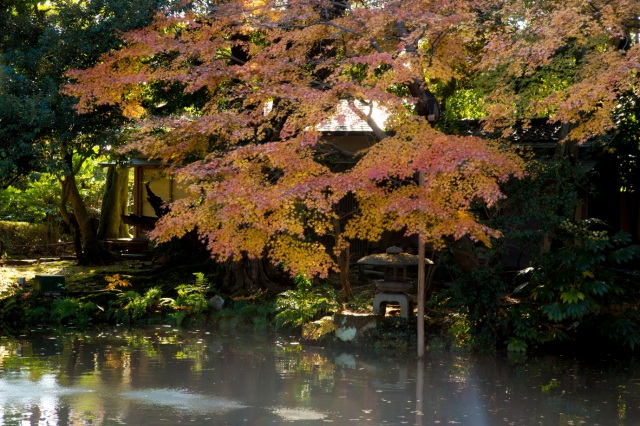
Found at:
(403, 299)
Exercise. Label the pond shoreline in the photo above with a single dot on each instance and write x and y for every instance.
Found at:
(110, 296)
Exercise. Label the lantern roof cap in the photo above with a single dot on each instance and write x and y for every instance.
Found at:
(392, 257)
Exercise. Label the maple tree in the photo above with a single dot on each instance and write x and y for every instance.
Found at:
(232, 95)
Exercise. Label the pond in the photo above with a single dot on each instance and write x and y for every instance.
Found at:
(163, 376)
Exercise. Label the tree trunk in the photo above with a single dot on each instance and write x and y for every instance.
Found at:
(248, 276)
(91, 251)
(77, 240)
(464, 254)
(71, 222)
(342, 258)
(124, 202)
(114, 205)
(567, 148)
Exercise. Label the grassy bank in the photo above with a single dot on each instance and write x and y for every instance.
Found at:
(77, 278)
(136, 293)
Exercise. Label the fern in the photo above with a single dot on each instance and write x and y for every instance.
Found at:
(62, 309)
(72, 311)
(295, 308)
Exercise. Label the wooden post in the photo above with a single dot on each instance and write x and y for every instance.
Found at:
(421, 283)
(420, 392)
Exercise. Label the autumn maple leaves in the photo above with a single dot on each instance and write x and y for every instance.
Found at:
(260, 185)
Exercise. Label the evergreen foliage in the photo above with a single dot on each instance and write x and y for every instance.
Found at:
(575, 288)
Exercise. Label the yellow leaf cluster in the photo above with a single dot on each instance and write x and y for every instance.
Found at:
(116, 282)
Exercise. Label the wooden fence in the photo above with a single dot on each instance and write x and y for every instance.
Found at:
(49, 249)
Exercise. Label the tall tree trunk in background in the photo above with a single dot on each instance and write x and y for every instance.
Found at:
(124, 201)
(464, 254)
(114, 205)
(567, 148)
(342, 257)
(80, 222)
(71, 222)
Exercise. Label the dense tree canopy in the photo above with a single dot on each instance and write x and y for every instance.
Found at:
(233, 95)
(38, 42)
(39, 128)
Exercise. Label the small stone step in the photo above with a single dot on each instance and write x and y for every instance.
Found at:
(18, 262)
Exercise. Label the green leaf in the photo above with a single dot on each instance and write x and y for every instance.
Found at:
(624, 254)
(597, 288)
(572, 296)
(554, 312)
(566, 256)
(516, 345)
(577, 310)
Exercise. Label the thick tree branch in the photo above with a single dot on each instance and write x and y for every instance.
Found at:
(427, 105)
(341, 151)
(233, 59)
(374, 43)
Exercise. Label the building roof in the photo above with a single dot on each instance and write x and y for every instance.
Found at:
(345, 120)
(133, 162)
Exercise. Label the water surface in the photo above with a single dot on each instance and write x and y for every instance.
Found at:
(162, 376)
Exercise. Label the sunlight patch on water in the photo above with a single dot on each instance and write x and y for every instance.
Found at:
(183, 400)
(294, 414)
(20, 388)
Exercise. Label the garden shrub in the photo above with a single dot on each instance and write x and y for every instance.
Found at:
(240, 313)
(362, 300)
(574, 289)
(392, 333)
(33, 201)
(24, 239)
(470, 311)
(190, 303)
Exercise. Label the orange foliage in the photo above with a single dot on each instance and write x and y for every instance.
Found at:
(116, 282)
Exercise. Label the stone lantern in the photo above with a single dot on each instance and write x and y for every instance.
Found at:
(394, 286)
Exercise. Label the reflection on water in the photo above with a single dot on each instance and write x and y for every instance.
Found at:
(179, 399)
(164, 376)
